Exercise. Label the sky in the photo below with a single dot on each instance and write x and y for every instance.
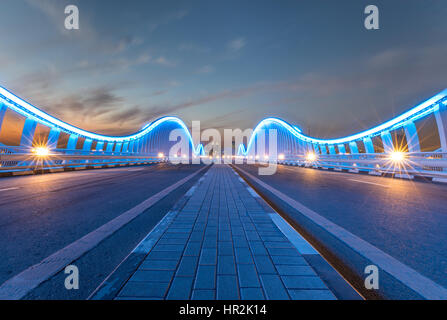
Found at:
(228, 64)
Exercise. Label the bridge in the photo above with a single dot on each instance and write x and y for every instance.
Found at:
(178, 223)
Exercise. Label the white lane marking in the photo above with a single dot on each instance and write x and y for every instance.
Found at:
(7, 189)
(241, 180)
(376, 184)
(18, 286)
(424, 286)
(294, 237)
(136, 169)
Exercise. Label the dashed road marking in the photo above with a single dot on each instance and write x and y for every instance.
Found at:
(8, 189)
(376, 184)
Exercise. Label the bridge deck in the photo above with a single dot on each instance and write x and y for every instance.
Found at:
(223, 244)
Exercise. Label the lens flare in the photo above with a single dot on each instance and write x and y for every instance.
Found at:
(397, 156)
(311, 157)
(40, 151)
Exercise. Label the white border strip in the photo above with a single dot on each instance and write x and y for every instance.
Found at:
(294, 237)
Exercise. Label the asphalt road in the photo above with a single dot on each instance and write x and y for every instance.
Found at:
(43, 213)
(406, 219)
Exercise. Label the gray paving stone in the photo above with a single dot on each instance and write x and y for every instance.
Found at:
(252, 236)
(144, 289)
(224, 236)
(287, 270)
(273, 238)
(243, 255)
(240, 242)
(175, 236)
(264, 265)
(226, 265)
(224, 245)
(197, 235)
(297, 261)
(178, 230)
(180, 288)
(303, 282)
(273, 287)
(193, 248)
(169, 247)
(252, 294)
(158, 265)
(257, 248)
(311, 295)
(152, 275)
(247, 275)
(208, 256)
(225, 248)
(284, 252)
(279, 244)
(227, 288)
(209, 242)
(187, 266)
(203, 295)
(165, 255)
(205, 278)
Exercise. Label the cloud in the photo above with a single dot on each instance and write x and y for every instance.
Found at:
(206, 69)
(158, 93)
(174, 16)
(54, 11)
(154, 111)
(236, 44)
(190, 47)
(337, 102)
(127, 42)
(164, 62)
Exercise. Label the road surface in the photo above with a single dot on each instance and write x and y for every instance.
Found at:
(41, 214)
(406, 219)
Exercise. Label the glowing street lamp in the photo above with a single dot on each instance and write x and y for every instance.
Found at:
(281, 157)
(311, 157)
(41, 151)
(397, 156)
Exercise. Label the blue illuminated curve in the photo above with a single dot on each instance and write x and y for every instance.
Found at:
(421, 110)
(28, 110)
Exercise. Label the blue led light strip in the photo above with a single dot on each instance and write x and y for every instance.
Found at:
(421, 110)
(28, 110)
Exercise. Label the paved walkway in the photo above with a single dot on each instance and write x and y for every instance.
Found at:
(223, 244)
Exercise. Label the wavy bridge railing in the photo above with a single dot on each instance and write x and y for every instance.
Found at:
(16, 160)
(66, 146)
(430, 165)
(393, 147)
